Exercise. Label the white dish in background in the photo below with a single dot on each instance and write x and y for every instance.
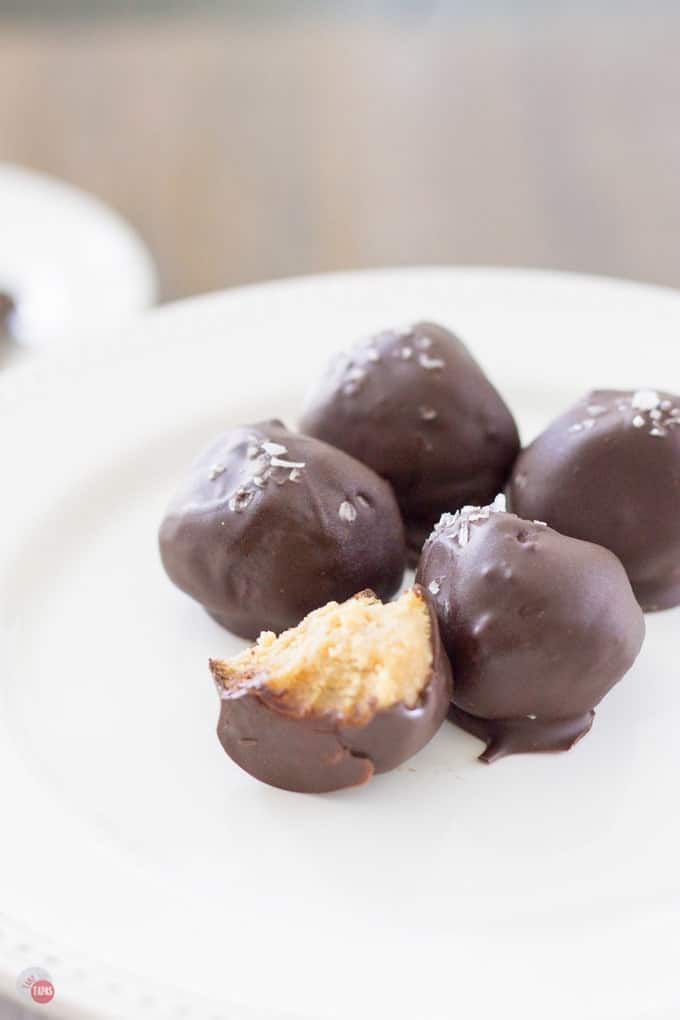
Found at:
(151, 876)
(70, 262)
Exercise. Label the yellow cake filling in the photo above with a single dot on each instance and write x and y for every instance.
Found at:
(349, 659)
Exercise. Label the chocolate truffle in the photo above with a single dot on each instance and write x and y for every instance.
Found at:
(270, 525)
(608, 471)
(538, 627)
(356, 688)
(415, 406)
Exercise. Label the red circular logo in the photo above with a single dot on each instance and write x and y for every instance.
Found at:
(42, 991)
(35, 983)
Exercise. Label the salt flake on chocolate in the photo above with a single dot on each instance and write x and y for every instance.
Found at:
(645, 400)
(346, 512)
(429, 363)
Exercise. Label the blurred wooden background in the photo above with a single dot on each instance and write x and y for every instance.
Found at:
(244, 149)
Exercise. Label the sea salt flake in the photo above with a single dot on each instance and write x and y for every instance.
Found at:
(429, 363)
(423, 343)
(354, 377)
(427, 413)
(458, 525)
(448, 523)
(279, 476)
(260, 467)
(373, 354)
(434, 587)
(215, 471)
(596, 410)
(295, 475)
(638, 421)
(541, 524)
(578, 427)
(588, 423)
(406, 353)
(277, 462)
(655, 414)
(253, 448)
(531, 717)
(657, 431)
(645, 400)
(274, 449)
(346, 512)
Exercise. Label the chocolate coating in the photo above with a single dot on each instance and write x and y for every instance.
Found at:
(316, 753)
(538, 627)
(522, 736)
(608, 471)
(261, 535)
(416, 407)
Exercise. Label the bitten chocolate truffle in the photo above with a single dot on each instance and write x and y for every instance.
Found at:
(415, 406)
(355, 689)
(538, 627)
(608, 471)
(270, 525)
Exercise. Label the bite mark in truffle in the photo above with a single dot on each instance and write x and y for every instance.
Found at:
(356, 688)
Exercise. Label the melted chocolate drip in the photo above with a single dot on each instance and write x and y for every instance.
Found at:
(521, 736)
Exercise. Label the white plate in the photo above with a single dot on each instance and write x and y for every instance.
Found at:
(147, 872)
(71, 263)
